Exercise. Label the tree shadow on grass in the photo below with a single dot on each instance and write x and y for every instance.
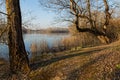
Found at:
(75, 74)
(34, 66)
(116, 74)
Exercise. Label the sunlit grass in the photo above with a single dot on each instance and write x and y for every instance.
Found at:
(95, 63)
(118, 66)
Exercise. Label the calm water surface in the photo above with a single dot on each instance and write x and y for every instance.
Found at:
(33, 38)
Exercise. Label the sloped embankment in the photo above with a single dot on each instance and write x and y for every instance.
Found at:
(96, 63)
(101, 67)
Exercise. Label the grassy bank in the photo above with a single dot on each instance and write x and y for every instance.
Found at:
(95, 63)
(92, 63)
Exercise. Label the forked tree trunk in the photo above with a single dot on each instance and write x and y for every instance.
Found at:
(19, 62)
(101, 35)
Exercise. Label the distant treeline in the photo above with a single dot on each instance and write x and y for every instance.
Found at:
(48, 30)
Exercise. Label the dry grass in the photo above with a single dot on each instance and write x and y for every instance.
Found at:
(96, 63)
(4, 69)
(113, 30)
(100, 68)
(43, 47)
(81, 40)
(73, 42)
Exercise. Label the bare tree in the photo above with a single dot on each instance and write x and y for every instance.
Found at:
(101, 34)
(19, 63)
(96, 15)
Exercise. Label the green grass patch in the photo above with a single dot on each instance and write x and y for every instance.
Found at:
(118, 66)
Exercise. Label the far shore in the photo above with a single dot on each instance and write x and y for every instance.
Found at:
(47, 31)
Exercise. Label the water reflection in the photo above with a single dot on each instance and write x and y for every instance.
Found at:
(33, 43)
(42, 39)
(4, 51)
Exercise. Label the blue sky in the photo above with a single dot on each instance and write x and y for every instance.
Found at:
(42, 17)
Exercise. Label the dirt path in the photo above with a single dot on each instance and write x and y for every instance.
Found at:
(95, 63)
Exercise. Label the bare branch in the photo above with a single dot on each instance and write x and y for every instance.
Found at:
(3, 13)
(3, 30)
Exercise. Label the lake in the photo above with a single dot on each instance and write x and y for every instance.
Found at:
(29, 39)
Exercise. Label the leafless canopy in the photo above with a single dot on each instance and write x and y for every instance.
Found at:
(89, 15)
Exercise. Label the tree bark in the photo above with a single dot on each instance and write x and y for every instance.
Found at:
(89, 13)
(101, 35)
(107, 14)
(18, 58)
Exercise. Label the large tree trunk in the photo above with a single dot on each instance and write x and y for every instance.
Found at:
(19, 62)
